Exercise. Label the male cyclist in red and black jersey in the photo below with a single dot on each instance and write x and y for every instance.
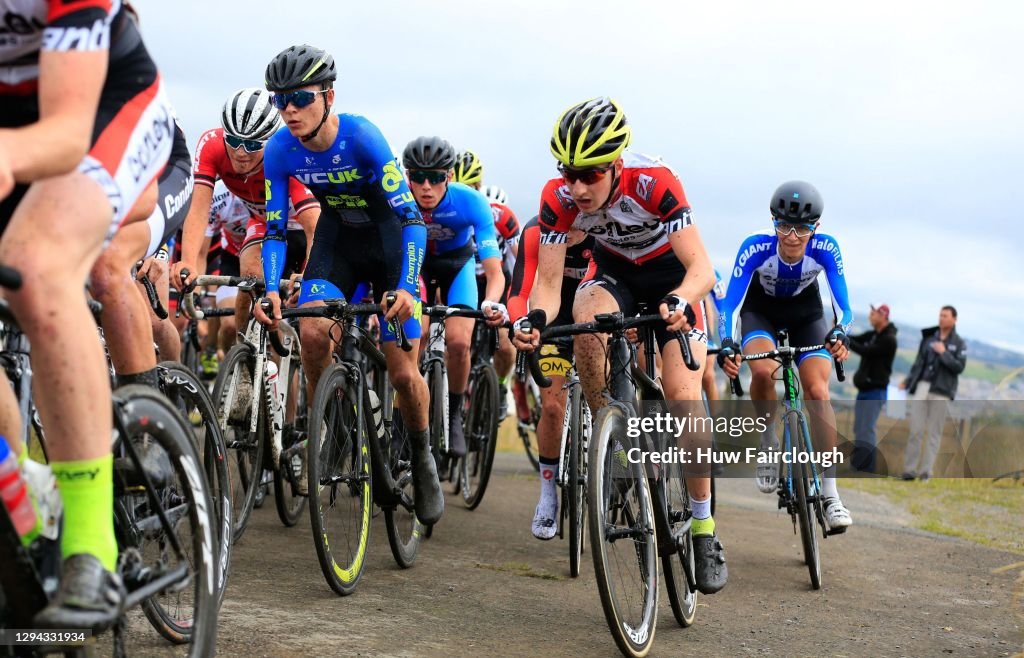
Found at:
(647, 251)
(85, 131)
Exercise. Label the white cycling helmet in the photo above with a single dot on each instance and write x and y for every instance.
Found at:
(495, 194)
(249, 114)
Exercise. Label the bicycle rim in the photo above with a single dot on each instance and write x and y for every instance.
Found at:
(577, 481)
(481, 435)
(619, 504)
(288, 503)
(806, 516)
(679, 566)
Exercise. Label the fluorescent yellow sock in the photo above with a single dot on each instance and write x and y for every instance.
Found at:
(699, 527)
(87, 489)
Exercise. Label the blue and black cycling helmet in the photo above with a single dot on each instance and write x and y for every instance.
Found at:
(299, 66)
(796, 202)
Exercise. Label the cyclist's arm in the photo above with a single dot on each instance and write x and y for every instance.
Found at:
(831, 260)
(547, 292)
(524, 273)
(700, 275)
(742, 274)
(194, 230)
(71, 76)
(275, 244)
(487, 245)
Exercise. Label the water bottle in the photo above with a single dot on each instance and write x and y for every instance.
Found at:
(276, 412)
(14, 492)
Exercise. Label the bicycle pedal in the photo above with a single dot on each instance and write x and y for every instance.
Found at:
(838, 530)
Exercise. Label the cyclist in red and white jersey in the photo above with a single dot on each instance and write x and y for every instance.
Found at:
(234, 154)
(229, 217)
(647, 251)
(85, 131)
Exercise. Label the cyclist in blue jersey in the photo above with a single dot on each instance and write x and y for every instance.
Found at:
(774, 286)
(455, 215)
(369, 230)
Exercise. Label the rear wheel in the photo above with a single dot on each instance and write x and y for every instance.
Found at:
(481, 436)
(404, 529)
(289, 504)
(528, 411)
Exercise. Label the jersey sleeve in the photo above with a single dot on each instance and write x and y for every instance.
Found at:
(747, 262)
(557, 212)
(484, 232)
(79, 25)
(507, 223)
(525, 271)
(828, 255)
(204, 165)
(275, 244)
(660, 192)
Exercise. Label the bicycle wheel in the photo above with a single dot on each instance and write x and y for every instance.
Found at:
(157, 472)
(576, 485)
(187, 393)
(404, 529)
(622, 536)
(338, 468)
(679, 566)
(289, 504)
(481, 436)
(805, 515)
(436, 383)
(529, 399)
(236, 392)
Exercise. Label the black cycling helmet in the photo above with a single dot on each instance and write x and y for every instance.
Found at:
(796, 202)
(428, 153)
(299, 66)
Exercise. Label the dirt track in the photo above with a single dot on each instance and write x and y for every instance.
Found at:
(484, 586)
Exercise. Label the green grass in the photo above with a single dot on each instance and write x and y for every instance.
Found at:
(979, 510)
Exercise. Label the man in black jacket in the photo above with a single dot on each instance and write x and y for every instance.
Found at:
(877, 349)
(932, 384)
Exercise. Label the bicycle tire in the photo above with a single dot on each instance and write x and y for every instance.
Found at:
(177, 380)
(405, 532)
(245, 452)
(338, 465)
(435, 373)
(481, 436)
(289, 504)
(577, 481)
(805, 516)
(679, 566)
(607, 486)
(528, 431)
(147, 416)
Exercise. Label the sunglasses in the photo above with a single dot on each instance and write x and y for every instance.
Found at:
(299, 99)
(587, 176)
(251, 145)
(800, 230)
(421, 176)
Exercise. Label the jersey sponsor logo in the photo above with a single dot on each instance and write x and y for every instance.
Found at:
(484, 244)
(753, 249)
(266, 186)
(345, 201)
(830, 247)
(64, 39)
(19, 25)
(564, 197)
(336, 159)
(173, 204)
(625, 207)
(496, 214)
(325, 177)
(680, 221)
(437, 231)
(274, 216)
(553, 238)
(645, 186)
(613, 229)
(391, 178)
(151, 145)
(400, 199)
(574, 272)
(310, 161)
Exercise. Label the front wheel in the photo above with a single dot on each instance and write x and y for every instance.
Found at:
(679, 565)
(481, 436)
(576, 485)
(805, 512)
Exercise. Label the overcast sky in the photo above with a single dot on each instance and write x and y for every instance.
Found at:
(907, 116)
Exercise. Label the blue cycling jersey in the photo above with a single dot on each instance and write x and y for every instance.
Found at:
(759, 255)
(356, 180)
(462, 214)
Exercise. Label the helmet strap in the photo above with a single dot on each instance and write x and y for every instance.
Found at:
(611, 191)
(320, 125)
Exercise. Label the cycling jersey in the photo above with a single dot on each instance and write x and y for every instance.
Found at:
(212, 164)
(634, 226)
(577, 262)
(785, 294)
(229, 216)
(359, 186)
(506, 226)
(174, 194)
(134, 124)
(462, 216)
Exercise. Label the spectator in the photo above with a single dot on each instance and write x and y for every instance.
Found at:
(877, 349)
(932, 383)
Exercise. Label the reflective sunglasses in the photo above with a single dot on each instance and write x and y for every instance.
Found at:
(800, 230)
(251, 145)
(299, 99)
(587, 176)
(421, 176)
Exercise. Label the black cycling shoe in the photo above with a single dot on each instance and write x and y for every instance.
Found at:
(457, 436)
(709, 560)
(89, 597)
(426, 487)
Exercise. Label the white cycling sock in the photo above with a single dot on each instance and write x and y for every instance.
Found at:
(828, 487)
(548, 487)
(701, 508)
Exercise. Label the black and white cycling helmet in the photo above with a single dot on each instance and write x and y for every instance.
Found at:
(249, 114)
(495, 194)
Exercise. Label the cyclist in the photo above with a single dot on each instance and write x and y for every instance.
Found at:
(458, 221)
(227, 227)
(85, 131)
(647, 250)
(371, 231)
(774, 285)
(555, 360)
(234, 153)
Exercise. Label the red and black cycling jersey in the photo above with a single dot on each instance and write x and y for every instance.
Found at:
(648, 206)
(577, 262)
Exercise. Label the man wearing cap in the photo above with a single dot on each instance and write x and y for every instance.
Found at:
(877, 349)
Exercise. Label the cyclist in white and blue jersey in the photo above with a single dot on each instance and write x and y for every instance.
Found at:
(774, 285)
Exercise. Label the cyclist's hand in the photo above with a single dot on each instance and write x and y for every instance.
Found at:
(677, 312)
(837, 343)
(522, 340)
(152, 268)
(294, 288)
(274, 317)
(495, 312)
(176, 271)
(402, 308)
(729, 358)
(633, 335)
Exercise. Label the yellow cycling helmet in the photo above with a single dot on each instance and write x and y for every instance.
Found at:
(592, 133)
(468, 169)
